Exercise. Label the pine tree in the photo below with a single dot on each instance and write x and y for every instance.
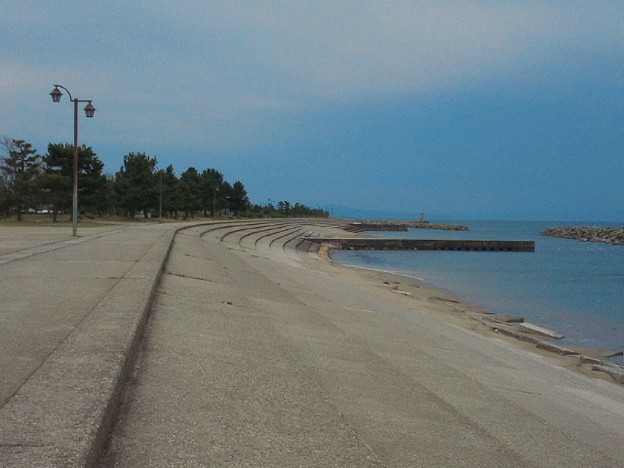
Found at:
(57, 179)
(212, 191)
(189, 191)
(20, 170)
(238, 199)
(136, 186)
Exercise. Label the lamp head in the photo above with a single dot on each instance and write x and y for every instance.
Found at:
(56, 95)
(89, 110)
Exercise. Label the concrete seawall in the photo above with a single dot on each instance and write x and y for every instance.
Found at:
(424, 244)
(259, 354)
(360, 226)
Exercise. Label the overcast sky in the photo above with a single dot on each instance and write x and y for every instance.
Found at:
(470, 109)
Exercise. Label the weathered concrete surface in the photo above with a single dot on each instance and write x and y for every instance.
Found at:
(401, 226)
(371, 243)
(25, 238)
(257, 355)
(70, 314)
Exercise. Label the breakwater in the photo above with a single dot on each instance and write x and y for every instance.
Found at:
(605, 235)
(363, 226)
(359, 226)
(370, 243)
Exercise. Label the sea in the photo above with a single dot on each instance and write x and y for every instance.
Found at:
(571, 287)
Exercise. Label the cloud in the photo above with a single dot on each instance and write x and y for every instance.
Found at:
(299, 50)
(235, 75)
(351, 48)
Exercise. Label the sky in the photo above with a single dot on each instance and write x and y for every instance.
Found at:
(458, 109)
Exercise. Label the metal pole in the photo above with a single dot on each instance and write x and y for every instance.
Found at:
(75, 189)
(161, 197)
(89, 111)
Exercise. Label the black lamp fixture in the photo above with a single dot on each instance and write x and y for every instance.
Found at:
(89, 112)
(56, 97)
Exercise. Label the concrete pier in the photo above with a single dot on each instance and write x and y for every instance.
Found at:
(372, 243)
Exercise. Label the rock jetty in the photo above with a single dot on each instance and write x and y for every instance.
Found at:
(393, 225)
(605, 235)
(440, 226)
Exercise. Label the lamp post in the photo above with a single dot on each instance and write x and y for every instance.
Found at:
(160, 194)
(89, 112)
(215, 189)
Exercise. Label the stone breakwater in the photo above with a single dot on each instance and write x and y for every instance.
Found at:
(440, 226)
(375, 243)
(367, 225)
(605, 235)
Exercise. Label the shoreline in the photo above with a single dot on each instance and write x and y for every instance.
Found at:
(449, 308)
(435, 302)
(259, 352)
(252, 345)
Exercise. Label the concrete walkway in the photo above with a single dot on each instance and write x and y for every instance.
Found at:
(259, 354)
(70, 312)
(24, 241)
(252, 359)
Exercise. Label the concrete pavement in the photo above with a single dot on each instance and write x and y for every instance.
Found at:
(27, 238)
(258, 356)
(71, 311)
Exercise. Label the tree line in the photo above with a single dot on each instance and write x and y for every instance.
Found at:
(30, 182)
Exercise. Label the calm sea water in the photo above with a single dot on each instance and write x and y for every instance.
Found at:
(575, 288)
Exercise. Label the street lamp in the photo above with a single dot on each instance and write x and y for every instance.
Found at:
(215, 189)
(160, 193)
(89, 112)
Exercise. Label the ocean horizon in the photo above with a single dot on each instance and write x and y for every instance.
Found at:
(571, 287)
